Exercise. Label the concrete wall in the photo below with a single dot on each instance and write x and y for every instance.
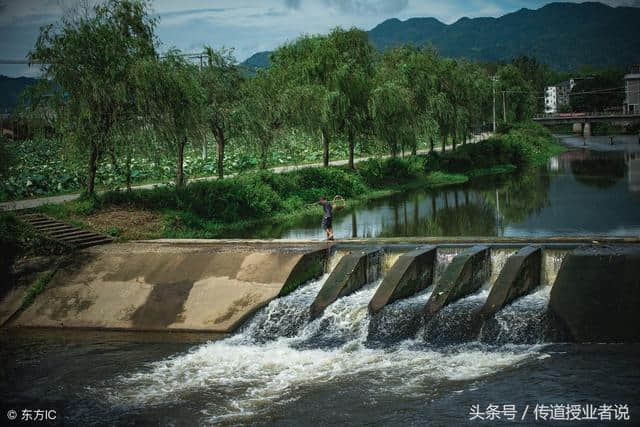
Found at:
(352, 272)
(167, 287)
(411, 273)
(519, 276)
(465, 275)
(597, 294)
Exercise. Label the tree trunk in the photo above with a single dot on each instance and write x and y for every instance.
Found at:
(444, 141)
(219, 134)
(205, 148)
(455, 139)
(431, 144)
(325, 148)
(128, 166)
(93, 166)
(414, 148)
(352, 144)
(180, 163)
(263, 155)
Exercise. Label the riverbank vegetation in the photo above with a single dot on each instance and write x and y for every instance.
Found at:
(217, 208)
(20, 240)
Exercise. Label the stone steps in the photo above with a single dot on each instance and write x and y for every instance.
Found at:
(65, 233)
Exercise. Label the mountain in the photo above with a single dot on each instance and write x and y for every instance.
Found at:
(10, 90)
(255, 62)
(563, 35)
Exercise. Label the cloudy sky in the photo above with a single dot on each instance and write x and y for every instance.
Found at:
(248, 26)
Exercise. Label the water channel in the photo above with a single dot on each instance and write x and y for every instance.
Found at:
(284, 368)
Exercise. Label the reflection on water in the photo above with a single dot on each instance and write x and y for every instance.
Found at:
(579, 192)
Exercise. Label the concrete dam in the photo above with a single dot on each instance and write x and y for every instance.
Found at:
(375, 292)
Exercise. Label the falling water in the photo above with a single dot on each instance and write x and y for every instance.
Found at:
(281, 351)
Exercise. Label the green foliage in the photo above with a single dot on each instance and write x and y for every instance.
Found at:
(92, 100)
(518, 93)
(263, 112)
(379, 173)
(173, 99)
(221, 81)
(523, 144)
(391, 109)
(328, 83)
(36, 289)
(6, 158)
(247, 197)
(18, 239)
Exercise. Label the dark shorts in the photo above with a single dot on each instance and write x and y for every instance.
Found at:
(326, 223)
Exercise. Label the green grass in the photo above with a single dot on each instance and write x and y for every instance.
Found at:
(20, 240)
(493, 170)
(36, 289)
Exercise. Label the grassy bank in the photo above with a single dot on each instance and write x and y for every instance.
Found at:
(209, 209)
(18, 240)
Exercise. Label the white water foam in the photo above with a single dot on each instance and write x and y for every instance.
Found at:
(246, 377)
(523, 320)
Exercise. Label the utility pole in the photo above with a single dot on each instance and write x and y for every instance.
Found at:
(504, 108)
(493, 80)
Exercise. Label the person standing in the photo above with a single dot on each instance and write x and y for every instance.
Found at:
(327, 217)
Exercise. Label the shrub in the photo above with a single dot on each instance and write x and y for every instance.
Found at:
(379, 172)
(327, 182)
(18, 239)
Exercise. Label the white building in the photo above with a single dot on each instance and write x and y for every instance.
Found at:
(557, 96)
(631, 103)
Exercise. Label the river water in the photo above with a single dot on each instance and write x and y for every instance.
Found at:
(284, 368)
(593, 191)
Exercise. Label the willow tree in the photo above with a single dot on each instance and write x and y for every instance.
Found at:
(263, 112)
(330, 78)
(221, 80)
(307, 99)
(417, 71)
(89, 55)
(173, 102)
(391, 108)
(352, 79)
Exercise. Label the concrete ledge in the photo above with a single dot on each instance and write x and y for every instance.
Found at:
(465, 275)
(310, 266)
(410, 274)
(519, 276)
(164, 288)
(597, 294)
(352, 272)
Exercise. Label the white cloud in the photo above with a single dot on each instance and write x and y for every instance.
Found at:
(249, 25)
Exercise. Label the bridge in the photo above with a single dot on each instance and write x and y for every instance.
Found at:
(582, 121)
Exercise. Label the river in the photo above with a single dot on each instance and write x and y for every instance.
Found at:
(284, 368)
(592, 191)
